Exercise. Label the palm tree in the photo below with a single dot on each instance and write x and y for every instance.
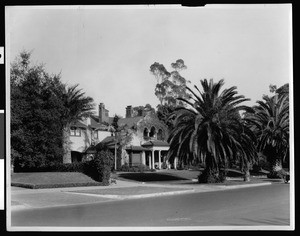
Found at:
(271, 125)
(212, 130)
(77, 106)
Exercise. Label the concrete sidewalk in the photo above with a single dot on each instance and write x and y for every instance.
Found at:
(121, 190)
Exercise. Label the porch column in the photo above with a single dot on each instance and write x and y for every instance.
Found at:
(159, 159)
(153, 166)
(143, 158)
(149, 159)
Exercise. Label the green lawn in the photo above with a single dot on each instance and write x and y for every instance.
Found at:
(51, 180)
(177, 175)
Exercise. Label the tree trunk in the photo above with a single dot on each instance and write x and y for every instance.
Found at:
(276, 169)
(247, 173)
(67, 145)
(276, 165)
(211, 173)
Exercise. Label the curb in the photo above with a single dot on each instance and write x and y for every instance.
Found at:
(247, 185)
(123, 197)
(228, 187)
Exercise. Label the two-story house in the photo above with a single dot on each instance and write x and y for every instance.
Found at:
(148, 145)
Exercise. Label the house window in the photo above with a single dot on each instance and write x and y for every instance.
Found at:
(160, 135)
(152, 132)
(75, 131)
(95, 134)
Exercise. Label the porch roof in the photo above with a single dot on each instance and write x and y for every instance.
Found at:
(136, 148)
(156, 143)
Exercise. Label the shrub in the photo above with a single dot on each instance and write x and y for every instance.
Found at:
(139, 168)
(164, 165)
(143, 168)
(125, 168)
(54, 167)
(101, 166)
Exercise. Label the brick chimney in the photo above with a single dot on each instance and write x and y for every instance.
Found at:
(141, 112)
(103, 113)
(129, 111)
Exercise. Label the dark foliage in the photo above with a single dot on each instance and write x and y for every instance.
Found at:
(140, 168)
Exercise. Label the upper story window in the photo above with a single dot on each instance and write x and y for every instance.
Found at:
(75, 131)
(95, 134)
(152, 132)
(160, 135)
(146, 134)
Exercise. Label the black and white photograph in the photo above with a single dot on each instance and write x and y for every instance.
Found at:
(149, 117)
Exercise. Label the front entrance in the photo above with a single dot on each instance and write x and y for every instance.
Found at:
(76, 156)
(135, 159)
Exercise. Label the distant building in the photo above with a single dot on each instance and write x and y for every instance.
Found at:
(148, 145)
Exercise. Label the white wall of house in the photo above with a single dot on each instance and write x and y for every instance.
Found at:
(136, 139)
(82, 142)
(103, 134)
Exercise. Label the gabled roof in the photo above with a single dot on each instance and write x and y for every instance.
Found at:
(78, 124)
(109, 141)
(90, 150)
(131, 121)
(157, 143)
(96, 125)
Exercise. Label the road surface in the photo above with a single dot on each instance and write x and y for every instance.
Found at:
(254, 206)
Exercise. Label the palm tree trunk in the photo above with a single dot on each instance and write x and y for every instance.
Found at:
(211, 173)
(276, 165)
(66, 145)
(247, 173)
(276, 169)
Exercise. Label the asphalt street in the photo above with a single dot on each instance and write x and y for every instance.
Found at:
(254, 206)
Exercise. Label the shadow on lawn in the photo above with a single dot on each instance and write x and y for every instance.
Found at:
(148, 177)
(172, 175)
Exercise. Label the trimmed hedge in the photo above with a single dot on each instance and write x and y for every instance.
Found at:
(39, 186)
(99, 169)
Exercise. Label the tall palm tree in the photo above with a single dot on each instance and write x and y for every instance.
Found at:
(77, 106)
(271, 125)
(212, 130)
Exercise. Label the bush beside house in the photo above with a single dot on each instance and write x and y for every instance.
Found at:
(99, 169)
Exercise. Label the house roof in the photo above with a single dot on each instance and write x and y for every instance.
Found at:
(96, 125)
(131, 121)
(91, 150)
(136, 148)
(157, 143)
(109, 141)
(78, 124)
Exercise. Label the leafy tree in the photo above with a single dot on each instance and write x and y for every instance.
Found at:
(123, 136)
(42, 109)
(141, 110)
(271, 125)
(160, 72)
(212, 130)
(170, 85)
(163, 113)
(36, 108)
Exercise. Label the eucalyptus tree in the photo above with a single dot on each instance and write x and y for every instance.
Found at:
(271, 126)
(211, 130)
(170, 85)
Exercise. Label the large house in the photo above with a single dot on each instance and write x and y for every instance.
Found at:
(148, 145)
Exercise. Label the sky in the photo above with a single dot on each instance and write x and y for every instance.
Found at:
(108, 50)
